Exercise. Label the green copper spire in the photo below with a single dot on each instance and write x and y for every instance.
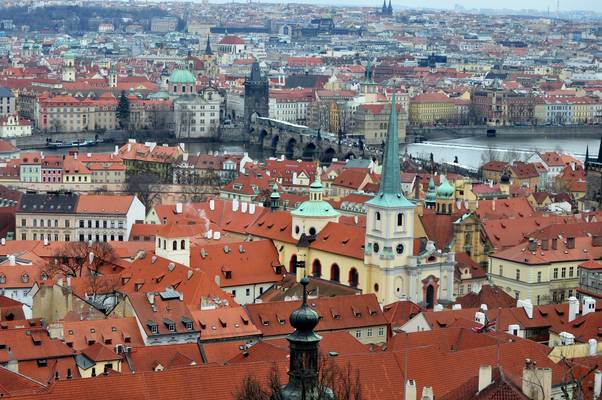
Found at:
(431, 195)
(390, 194)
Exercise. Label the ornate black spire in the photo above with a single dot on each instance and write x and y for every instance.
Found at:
(208, 51)
(304, 344)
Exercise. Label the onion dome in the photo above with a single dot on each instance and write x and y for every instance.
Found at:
(445, 190)
(304, 320)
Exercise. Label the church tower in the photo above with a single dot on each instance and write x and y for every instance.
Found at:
(389, 224)
(445, 197)
(256, 94)
(431, 195)
(68, 72)
(210, 63)
(112, 77)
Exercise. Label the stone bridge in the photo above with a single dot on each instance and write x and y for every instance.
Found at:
(301, 142)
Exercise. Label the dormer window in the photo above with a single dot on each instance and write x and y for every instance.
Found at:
(171, 326)
(25, 278)
(154, 328)
(2, 278)
(187, 323)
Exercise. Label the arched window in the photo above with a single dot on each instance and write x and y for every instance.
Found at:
(354, 279)
(158, 242)
(316, 268)
(378, 216)
(399, 219)
(183, 244)
(164, 244)
(335, 273)
(174, 245)
(292, 265)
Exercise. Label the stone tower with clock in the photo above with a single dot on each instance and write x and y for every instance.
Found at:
(389, 225)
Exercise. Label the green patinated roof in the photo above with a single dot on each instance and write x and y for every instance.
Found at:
(181, 76)
(389, 194)
(159, 95)
(445, 190)
(315, 208)
(431, 195)
(68, 55)
(275, 194)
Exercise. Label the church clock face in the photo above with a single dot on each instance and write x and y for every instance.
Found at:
(375, 247)
(399, 248)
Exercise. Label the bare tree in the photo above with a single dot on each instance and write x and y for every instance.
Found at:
(69, 260)
(144, 184)
(574, 379)
(490, 154)
(334, 380)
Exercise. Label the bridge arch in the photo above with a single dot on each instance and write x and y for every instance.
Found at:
(350, 156)
(275, 140)
(262, 135)
(309, 152)
(289, 149)
(328, 155)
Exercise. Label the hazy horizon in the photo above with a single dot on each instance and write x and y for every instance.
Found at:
(517, 5)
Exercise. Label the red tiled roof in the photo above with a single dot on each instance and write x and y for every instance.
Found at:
(338, 313)
(104, 204)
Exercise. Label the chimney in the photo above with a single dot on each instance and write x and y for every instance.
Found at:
(589, 305)
(597, 384)
(68, 281)
(129, 147)
(527, 306)
(573, 308)
(217, 235)
(3, 241)
(479, 317)
(427, 393)
(90, 257)
(75, 155)
(150, 296)
(537, 382)
(484, 376)
(438, 307)
(493, 205)
(545, 244)
(570, 242)
(212, 205)
(179, 207)
(532, 245)
(566, 338)
(116, 149)
(46, 241)
(252, 208)
(554, 243)
(243, 207)
(592, 347)
(457, 307)
(410, 392)
(12, 260)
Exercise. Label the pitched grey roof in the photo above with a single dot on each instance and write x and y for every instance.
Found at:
(5, 92)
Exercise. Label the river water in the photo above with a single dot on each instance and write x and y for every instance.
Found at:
(469, 151)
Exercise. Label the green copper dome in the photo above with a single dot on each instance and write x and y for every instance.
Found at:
(275, 194)
(315, 206)
(445, 190)
(181, 76)
(431, 195)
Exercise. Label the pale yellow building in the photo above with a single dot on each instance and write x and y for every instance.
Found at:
(431, 108)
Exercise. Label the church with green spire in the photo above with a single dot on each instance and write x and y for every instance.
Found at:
(399, 265)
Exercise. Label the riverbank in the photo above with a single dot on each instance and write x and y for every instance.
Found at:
(417, 134)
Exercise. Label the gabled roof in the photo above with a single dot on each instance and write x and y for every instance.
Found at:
(337, 313)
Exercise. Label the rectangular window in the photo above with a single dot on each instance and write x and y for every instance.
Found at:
(538, 276)
(24, 236)
(518, 274)
(555, 273)
(248, 292)
(369, 332)
(67, 224)
(81, 223)
(358, 334)
(469, 288)
(501, 270)
(571, 271)
(23, 222)
(381, 331)
(563, 273)
(67, 238)
(81, 238)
